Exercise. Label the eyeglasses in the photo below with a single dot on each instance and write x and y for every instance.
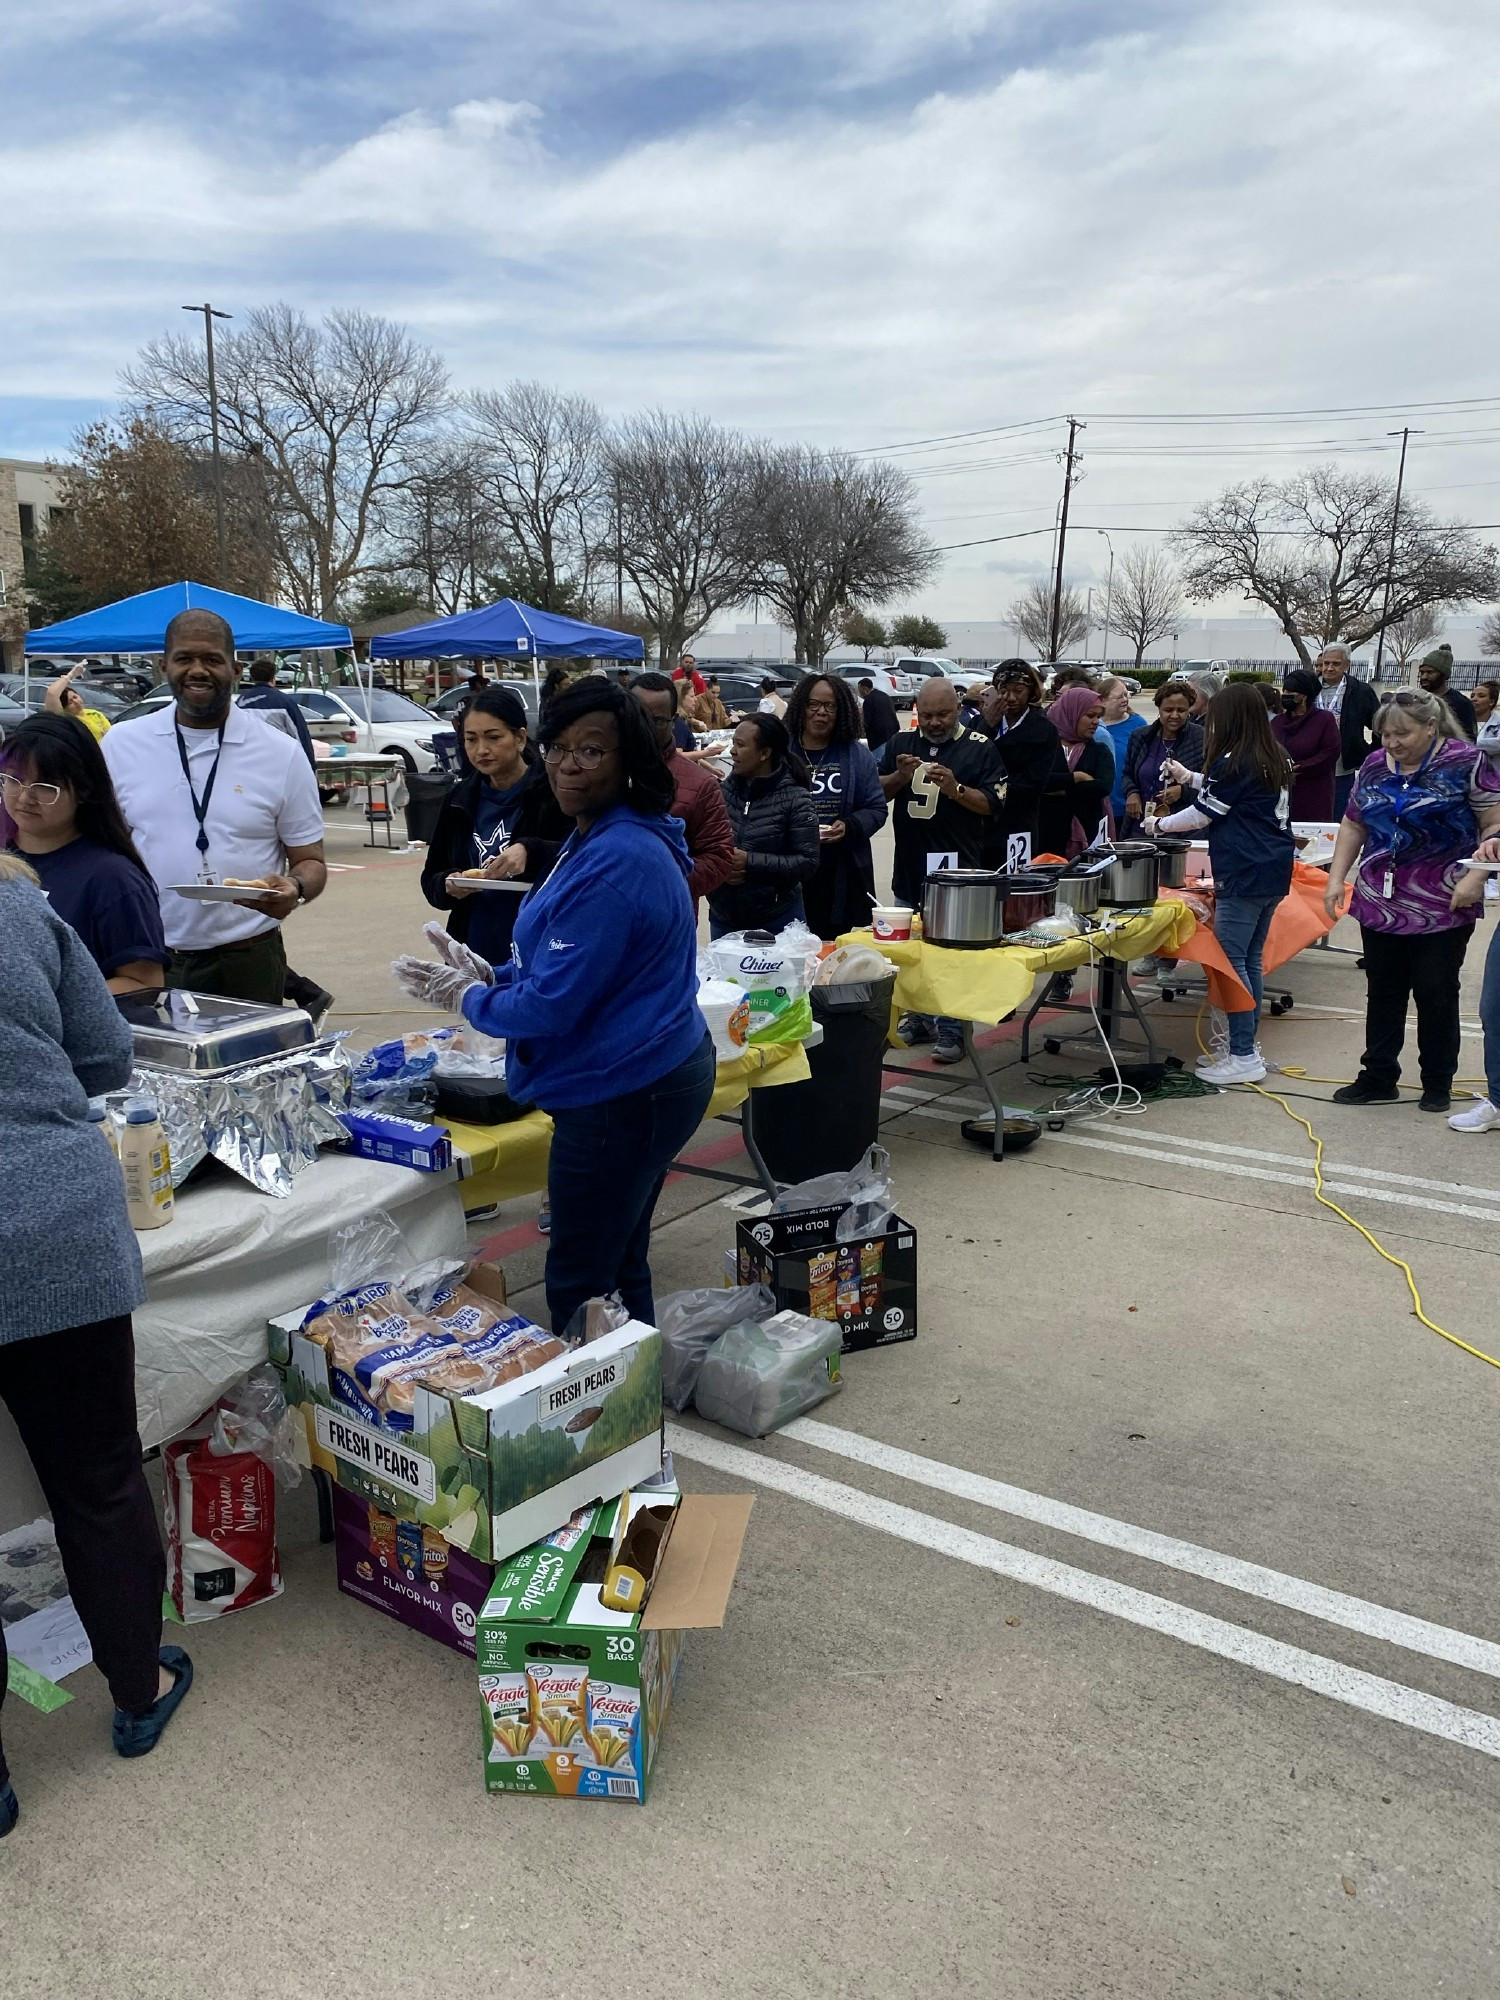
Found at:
(585, 756)
(20, 793)
(823, 707)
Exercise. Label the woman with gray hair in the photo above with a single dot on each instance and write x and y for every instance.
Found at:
(1205, 686)
(1421, 805)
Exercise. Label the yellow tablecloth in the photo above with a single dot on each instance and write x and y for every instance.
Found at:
(988, 985)
(510, 1160)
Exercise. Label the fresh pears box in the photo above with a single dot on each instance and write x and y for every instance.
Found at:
(496, 1471)
(573, 1694)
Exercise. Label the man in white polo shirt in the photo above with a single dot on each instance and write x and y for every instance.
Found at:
(208, 791)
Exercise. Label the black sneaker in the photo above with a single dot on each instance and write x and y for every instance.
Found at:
(1435, 1100)
(1363, 1091)
(914, 1028)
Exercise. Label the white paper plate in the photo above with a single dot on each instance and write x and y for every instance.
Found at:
(1485, 867)
(214, 892)
(473, 882)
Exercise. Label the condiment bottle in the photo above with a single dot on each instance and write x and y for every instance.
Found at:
(146, 1164)
(99, 1115)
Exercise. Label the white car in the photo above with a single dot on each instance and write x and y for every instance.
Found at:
(396, 727)
(911, 669)
(854, 672)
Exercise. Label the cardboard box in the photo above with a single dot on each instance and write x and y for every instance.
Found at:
(409, 1572)
(868, 1285)
(493, 1472)
(574, 1696)
(402, 1141)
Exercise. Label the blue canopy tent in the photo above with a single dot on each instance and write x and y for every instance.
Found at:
(507, 630)
(139, 624)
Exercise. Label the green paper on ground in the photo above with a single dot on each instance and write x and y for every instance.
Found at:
(34, 1687)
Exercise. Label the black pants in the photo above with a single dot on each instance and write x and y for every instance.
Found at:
(1423, 968)
(72, 1396)
(250, 969)
(605, 1173)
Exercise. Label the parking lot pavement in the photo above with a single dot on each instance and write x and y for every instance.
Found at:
(1131, 1632)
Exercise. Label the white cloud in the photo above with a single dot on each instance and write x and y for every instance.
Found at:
(1277, 209)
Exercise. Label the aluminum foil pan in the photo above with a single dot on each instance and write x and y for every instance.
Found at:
(263, 1120)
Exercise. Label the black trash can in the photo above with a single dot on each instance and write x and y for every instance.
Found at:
(828, 1124)
(425, 792)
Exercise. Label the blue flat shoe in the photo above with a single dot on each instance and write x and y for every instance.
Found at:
(136, 1734)
(10, 1809)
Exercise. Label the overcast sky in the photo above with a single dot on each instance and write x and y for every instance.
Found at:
(868, 223)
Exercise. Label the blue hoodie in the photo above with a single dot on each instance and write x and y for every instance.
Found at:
(601, 995)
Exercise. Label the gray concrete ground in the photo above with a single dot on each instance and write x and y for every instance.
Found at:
(901, 1769)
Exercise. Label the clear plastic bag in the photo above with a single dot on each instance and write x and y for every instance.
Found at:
(866, 1189)
(691, 1322)
(253, 1416)
(372, 1248)
(758, 1376)
(775, 974)
(595, 1317)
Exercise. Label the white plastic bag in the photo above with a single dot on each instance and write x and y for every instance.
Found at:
(758, 1376)
(866, 1189)
(690, 1323)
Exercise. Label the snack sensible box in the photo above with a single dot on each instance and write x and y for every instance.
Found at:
(409, 1572)
(572, 1696)
(869, 1285)
(495, 1471)
(402, 1141)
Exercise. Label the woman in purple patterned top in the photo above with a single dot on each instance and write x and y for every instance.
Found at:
(1421, 804)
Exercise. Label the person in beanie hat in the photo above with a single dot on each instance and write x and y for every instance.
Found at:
(1434, 673)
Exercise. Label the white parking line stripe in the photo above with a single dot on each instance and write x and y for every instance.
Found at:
(1300, 1160)
(1427, 1203)
(1292, 1664)
(1396, 1628)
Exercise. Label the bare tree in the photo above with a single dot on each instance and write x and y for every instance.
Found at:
(1489, 635)
(443, 534)
(827, 528)
(679, 492)
(333, 411)
(1031, 614)
(1316, 549)
(1410, 634)
(542, 460)
(1148, 598)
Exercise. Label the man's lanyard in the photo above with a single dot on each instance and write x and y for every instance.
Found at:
(200, 806)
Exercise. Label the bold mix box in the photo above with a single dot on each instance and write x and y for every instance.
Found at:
(869, 1285)
(573, 1694)
(494, 1471)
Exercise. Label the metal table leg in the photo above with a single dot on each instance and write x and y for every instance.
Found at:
(986, 1084)
(1113, 981)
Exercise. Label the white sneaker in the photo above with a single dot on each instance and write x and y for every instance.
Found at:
(1233, 1069)
(1480, 1117)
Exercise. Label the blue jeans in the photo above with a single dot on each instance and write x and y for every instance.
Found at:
(606, 1171)
(1240, 925)
(1489, 1017)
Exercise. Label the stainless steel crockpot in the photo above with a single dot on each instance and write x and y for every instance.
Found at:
(1079, 893)
(1131, 879)
(963, 906)
(1172, 860)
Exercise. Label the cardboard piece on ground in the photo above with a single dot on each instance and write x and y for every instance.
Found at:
(697, 1572)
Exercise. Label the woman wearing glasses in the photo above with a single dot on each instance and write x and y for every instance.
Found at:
(823, 720)
(1421, 804)
(65, 822)
(1310, 737)
(599, 1002)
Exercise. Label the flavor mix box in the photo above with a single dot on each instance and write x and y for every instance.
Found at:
(869, 1285)
(410, 1572)
(573, 1695)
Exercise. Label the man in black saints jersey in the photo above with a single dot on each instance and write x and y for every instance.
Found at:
(945, 782)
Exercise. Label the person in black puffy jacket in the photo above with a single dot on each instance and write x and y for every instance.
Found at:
(769, 801)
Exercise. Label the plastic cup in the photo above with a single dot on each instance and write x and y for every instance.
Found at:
(891, 922)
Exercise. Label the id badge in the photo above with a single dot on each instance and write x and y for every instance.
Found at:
(1389, 884)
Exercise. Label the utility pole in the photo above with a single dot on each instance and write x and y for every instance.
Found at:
(1390, 560)
(1070, 459)
(210, 314)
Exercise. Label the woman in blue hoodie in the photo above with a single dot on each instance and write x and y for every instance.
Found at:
(823, 720)
(599, 1004)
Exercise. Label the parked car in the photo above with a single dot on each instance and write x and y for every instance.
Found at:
(148, 706)
(33, 694)
(395, 726)
(453, 699)
(11, 715)
(855, 671)
(911, 669)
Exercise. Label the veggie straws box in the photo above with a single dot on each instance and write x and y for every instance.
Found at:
(868, 1285)
(572, 1695)
(495, 1471)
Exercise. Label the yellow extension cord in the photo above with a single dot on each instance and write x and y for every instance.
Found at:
(1342, 1213)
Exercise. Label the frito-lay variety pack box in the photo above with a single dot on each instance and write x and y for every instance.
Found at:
(408, 1571)
(868, 1285)
(573, 1695)
(492, 1471)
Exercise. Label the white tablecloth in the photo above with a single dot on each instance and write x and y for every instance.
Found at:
(230, 1259)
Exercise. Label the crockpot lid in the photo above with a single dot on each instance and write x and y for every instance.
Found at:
(965, 878)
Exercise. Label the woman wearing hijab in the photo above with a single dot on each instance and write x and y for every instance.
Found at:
(1310, 737)
(1070, 820)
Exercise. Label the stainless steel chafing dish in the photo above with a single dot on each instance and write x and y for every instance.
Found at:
(200, 1032)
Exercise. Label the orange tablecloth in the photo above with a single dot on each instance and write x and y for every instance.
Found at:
(1299, 921)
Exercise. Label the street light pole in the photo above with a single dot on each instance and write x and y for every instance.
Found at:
(1109, 596)
(210, 314)
(1390, 561)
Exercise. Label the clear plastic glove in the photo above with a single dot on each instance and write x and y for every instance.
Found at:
(434, 984)
(1179, 774)
(452, 952)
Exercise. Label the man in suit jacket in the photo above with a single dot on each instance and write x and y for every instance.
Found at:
(1354, 703)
